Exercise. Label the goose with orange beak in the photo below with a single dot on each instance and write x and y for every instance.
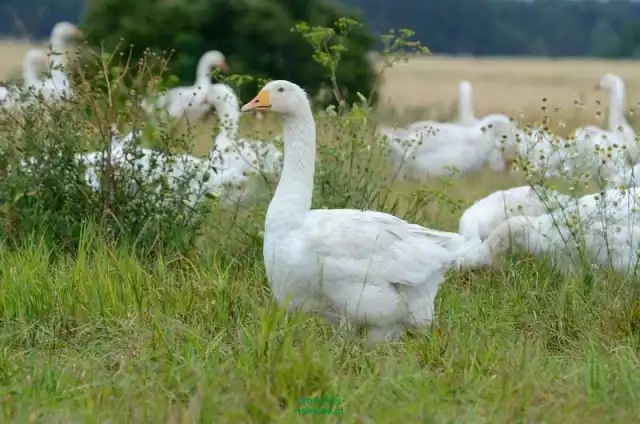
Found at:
(370, 268)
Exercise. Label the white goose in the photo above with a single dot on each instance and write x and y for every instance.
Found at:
(604, 152)
(193, 174)
(484, 216)
(190, 102)
(231, 162)
(594, 230)
(94, 161)
(571, 248)
(237, 160)
(435, 150)
(369, 267)
(57, 87)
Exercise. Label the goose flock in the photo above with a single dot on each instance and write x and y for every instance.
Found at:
(370, 268)
(233, 162)
(374, 269)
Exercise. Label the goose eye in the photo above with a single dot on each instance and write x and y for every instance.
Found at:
(281, 89)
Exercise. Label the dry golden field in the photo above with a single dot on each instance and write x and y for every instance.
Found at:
(505, 85)
(11, 52)
(427, 85)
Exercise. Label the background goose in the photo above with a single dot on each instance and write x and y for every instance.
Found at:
(190, 102)
(626, 177)
(96, 160)
(617, 123)
(230, 164)
(484, 216)
(568, 241)
(195, 175)
(605, 152)
(35, 61)
(434, 151)
(600, 229)
(58, 87)
(237, 159)
(612, 205)
(369, 267)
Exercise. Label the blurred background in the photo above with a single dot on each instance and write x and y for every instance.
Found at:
(513, 51)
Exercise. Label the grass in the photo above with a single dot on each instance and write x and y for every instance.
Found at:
(110, 336)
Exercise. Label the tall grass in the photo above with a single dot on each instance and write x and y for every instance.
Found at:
(96, 329)
(111, 337)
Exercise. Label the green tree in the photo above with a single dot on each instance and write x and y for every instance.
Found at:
(255, 35)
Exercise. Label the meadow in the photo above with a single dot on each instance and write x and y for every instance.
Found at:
(106, 335)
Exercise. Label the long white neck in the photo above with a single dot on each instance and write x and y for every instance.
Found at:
(292, 199)
(202, 72)
(30, 74)
(616, 107)
(229, 117)
(465, 103)
(59, 58)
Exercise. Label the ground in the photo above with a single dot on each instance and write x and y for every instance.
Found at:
(108, 337)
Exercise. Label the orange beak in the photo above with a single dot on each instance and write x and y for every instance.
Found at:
(224, 67)
(260, 102)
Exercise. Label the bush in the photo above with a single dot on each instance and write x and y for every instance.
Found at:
(44, 193)
(256, 37)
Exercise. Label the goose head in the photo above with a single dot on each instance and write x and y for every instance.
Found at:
(465, 86)
(283, 97)
(64, 33)
(503, 133)
(610, 83)
(501, 129)
(214, 59)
